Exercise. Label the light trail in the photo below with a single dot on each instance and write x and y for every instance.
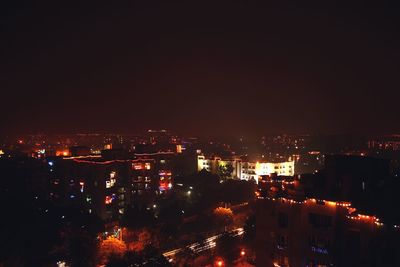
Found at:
(207, 244)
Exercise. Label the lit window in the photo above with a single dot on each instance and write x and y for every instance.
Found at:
(147, 166)
(137, 166)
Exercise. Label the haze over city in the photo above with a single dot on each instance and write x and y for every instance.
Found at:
(208, 68)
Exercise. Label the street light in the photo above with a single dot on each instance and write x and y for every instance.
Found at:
(219, 262)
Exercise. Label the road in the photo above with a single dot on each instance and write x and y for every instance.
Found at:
(206, 244)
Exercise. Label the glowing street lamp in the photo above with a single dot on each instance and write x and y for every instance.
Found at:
(219, 263)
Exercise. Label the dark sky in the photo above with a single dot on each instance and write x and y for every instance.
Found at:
(229, 68)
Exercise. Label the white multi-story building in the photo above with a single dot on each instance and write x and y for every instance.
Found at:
(246, 170)
(252, 170)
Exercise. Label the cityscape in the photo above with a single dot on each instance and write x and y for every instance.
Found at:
(205, 134)
(159, 199)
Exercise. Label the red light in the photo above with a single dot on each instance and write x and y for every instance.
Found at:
(108, 200)
(242, 253)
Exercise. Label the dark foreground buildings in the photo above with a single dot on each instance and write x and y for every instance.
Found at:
(345, 216)
(108, 188)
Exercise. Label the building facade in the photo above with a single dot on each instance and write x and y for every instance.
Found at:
(245, 170)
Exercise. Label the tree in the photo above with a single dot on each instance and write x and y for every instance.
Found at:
(225, 171)
(112, 248)
(223, 216)
(143, 239)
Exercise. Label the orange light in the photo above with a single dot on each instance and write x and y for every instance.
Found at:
(220, 263)
(330, 203)
(62, 153)
(242, 253)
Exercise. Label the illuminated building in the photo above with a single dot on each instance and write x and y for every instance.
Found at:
(151, 176)
(245, 170)
(165, 178)
(92, 184)
(106, 185)
(158, 136)
(390, 142)
(142, 176)
(332, 224)
(252, 171)
(310, 232)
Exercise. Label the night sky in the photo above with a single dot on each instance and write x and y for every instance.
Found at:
(229, 68)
